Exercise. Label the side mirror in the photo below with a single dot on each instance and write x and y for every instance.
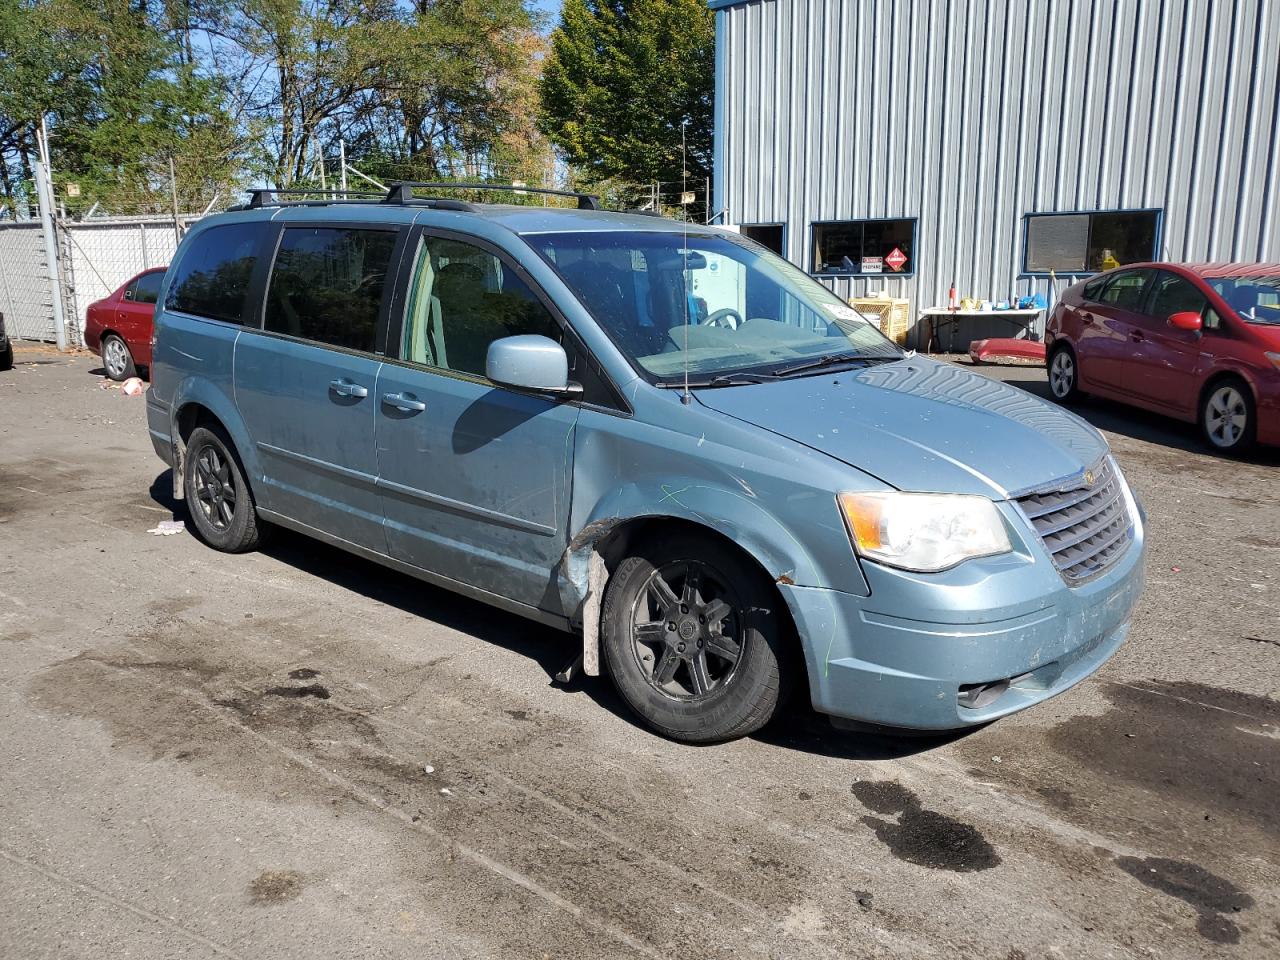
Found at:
(1187, 320)
(530, 362)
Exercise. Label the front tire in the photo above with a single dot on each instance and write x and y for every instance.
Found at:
(218, 498)
(1064, 375)
(693, 639)
(1228, 418)
(6, 357)
(116, 358)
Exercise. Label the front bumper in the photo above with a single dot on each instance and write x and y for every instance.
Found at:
(963, 647)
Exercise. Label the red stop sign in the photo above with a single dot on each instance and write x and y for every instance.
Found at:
(896, 259)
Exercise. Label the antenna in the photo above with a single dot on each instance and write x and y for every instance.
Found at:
(685, 398)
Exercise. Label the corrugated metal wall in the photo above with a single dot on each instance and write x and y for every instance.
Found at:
(969, 114)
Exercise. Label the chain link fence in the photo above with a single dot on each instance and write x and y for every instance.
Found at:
(95, 256)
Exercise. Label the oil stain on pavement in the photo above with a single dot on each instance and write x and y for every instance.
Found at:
(920, 836)
(1214, 898)
(275, 886)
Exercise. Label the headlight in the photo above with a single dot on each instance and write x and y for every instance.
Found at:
(926, 532)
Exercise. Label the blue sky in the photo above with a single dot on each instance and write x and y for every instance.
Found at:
(547, 6)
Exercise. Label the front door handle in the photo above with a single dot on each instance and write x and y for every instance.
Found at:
(1086, 319)
(404, 401)
(1136, 335)
(345, 388)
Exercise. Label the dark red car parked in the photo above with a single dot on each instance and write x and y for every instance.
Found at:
(1200, 342)
(119, 326)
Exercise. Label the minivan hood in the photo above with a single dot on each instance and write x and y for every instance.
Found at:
(922, 425)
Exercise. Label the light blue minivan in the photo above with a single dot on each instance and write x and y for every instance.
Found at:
(659, 437)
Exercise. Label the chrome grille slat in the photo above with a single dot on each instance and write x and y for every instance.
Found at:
(1064, 501)
(1086, 528)
(1048, 531)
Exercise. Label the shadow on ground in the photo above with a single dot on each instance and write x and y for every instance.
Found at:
(797, 727)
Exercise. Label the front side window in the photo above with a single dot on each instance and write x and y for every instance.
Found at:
(328, 283)
(1254, 299)
(717, 302)
(147, 288)
(864, 246)
(461, 299)
(213, 276)
(1074, 243)
(1172, 294)
(1124, 290)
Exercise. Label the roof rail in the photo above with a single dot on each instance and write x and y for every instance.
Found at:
(402, 191)
(261, 196)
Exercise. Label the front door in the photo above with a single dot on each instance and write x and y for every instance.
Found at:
(306, 383)
(1171, 357)
(136, 312)
(475, 478)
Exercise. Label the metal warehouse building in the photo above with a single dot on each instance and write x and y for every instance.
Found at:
(1005, 146)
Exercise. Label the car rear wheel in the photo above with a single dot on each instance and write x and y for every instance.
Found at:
(693, 639)
(116, 358)
(1227, 418)
(218, 497)
(1064, 376)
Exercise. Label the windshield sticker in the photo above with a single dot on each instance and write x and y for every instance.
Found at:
(841, 312)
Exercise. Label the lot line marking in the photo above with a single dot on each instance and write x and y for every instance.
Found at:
(377, 803)
(95, 891)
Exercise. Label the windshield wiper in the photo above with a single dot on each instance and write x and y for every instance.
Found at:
(831, 359)
(735, 379)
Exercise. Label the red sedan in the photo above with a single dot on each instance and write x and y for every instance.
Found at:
(119, 326)
(1200, 342)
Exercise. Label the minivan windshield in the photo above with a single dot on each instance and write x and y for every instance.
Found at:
(735, 310)
(1255, 299)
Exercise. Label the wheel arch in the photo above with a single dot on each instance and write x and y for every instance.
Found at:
(602, 543)
(196, 403)
(1217, 378)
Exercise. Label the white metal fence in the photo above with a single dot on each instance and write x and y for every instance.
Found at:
(96, 256)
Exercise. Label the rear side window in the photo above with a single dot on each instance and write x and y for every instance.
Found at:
(147, 288)
(328, 284)
(1124, 290)
(212, 277)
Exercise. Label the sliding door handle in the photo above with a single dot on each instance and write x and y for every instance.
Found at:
(405, 402)
(345, 388)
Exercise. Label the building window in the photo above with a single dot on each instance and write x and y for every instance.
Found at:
(864, 247)
(1089, 242)
(766, 234)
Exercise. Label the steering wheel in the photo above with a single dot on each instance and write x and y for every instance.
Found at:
(717, 318)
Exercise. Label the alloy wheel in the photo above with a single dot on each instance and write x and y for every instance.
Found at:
(1226, 417)
(686, 631)
(215, 488)
(1062, 374)
(116, 357)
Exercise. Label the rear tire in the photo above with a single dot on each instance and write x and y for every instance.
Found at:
(117, 361)
(1064, 375)
(1228, 417)
(693, 637)
(218, 497)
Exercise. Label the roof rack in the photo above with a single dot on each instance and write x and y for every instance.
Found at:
(261, 196)
(402, 191)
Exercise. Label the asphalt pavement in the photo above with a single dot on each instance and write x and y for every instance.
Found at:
(296, 753)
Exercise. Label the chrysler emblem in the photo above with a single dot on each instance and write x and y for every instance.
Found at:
(1088, 478)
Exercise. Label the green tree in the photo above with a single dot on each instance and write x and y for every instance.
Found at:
(120, 102)
(622, 79)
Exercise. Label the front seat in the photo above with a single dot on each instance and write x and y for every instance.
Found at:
(463, 317)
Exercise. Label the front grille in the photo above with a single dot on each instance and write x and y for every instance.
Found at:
(1086, 528)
